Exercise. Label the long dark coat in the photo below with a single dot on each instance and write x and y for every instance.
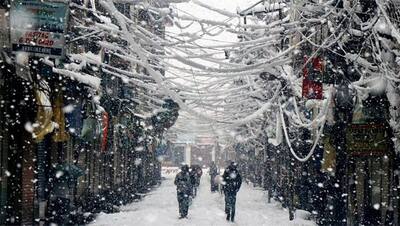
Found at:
(232, 180)
(183, 184)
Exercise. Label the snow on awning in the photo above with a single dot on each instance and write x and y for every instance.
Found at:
(145, 117)
(86, 79)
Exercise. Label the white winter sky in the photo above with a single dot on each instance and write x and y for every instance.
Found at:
(192, 9)
(200, 12)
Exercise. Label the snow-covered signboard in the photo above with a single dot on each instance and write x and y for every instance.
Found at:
(38, 27)
(4, 37)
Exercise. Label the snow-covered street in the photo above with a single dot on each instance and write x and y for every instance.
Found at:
(160, 207)
(111, 109)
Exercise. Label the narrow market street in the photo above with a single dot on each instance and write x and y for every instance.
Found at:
(160, 208)
(280, 113)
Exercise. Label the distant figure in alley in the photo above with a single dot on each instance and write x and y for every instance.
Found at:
(213, 174)
(231, 185)
(195, 176)
(184, 190)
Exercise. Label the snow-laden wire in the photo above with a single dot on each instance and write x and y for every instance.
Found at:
(319, 131)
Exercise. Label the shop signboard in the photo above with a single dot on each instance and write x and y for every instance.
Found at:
(38, 27)
(4, 32)
(367, 139)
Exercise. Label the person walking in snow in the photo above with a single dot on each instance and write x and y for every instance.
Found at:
(213, 174)
(195, 175)
(184, 190)
(231, 185)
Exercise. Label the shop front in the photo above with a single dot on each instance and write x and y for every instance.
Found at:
(370, 174)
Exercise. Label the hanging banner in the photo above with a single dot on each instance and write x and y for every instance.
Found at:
(60, 133)
(4, 30)
(315, 69)
(43, 124)
(367, 139)
(329, 157)
(38, 27)
(312, 87)
(105, 125)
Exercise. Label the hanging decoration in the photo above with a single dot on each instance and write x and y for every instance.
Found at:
(105, 125)
(60, 134)
(43, 124)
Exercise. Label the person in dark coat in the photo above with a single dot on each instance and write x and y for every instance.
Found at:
(199, 173)
(232, 182)
(184, 190)
(195, 176)
(213, 174)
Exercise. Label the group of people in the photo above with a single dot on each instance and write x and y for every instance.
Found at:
(187, 184)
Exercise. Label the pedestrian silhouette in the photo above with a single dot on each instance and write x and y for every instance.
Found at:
(195, 176)
(231, 185)
(184, 190)
(213, 174)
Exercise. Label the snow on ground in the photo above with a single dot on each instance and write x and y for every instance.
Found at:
(160, 208)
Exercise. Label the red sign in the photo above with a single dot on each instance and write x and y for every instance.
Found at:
(312, 89)
(37, 38)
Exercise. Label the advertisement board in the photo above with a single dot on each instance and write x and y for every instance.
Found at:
(367, 139)
(38, 27)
